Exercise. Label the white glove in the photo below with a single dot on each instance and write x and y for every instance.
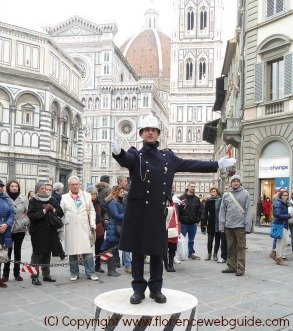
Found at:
(175, 199)
(226, 162)
(116, 147)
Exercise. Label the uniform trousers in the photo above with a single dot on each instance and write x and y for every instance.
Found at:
(139, 284)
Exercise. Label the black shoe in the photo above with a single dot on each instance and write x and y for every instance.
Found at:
(137, 298)
(35, 281)
(158, 297)
(18, 278)
(171, 268)
(228, 271)
(49, 279)
(99, 270)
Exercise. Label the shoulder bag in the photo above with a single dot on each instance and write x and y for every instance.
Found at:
(236, 202)
(277, 231)
(92, 233)
(55, 221)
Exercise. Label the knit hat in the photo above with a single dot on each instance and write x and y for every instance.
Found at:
(236, 177)
(38, 185)
(1, 183)
(105, 179)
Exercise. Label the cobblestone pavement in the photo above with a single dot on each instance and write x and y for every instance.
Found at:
(264, 292)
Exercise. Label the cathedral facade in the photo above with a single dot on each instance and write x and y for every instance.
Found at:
(115, 98)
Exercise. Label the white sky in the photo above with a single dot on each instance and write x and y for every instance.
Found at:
(128, 14)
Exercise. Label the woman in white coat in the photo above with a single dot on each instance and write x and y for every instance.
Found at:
(79, 220)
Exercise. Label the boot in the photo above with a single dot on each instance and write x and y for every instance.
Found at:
(215, 257)
(171, 263)
(111, 268)
(273, 255)
(208, 257)
(2, 284)
(166, 264)
(280, 261)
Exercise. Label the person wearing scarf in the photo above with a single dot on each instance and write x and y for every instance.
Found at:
(6, 222)
(19, 203)
(43, 235)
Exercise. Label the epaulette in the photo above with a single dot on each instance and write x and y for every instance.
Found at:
(166, 149)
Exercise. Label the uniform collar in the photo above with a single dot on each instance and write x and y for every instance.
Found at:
(149, 147)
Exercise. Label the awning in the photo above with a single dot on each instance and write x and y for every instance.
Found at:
(210, 131)
(220, 93)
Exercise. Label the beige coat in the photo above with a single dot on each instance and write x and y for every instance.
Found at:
(76, 223)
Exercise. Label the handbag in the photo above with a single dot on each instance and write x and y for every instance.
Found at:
(277, 231)
(3, 254)
(55, 221)
(169, 212)
(172, 233)
(100, 230)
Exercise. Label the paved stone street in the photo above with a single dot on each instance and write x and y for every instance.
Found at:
(265, 292)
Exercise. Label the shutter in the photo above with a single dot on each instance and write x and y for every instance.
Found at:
(258, 82)
(270, 8)
(279, 6)
(288, 74)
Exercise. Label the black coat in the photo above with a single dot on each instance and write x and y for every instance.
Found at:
(151, 175)
(43, 236)
(211, 215)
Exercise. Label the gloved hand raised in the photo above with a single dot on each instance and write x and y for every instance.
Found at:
(175, 199)
(116, 147)
(48, 208)
(226, 162)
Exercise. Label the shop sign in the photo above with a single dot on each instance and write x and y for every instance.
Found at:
(282, 182)
(273, 168)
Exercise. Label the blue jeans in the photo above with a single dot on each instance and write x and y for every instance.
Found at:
(126, 259)
(88, 265)
(191, 230)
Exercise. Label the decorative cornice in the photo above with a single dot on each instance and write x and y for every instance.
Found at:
(93, 27)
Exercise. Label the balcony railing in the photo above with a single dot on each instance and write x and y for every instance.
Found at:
(274, 108)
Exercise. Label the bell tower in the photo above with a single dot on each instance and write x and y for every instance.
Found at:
(196, 61)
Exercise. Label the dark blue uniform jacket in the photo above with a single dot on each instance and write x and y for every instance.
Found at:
(151, 175)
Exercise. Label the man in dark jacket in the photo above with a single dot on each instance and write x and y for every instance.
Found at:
(144, 227)
(190, 213)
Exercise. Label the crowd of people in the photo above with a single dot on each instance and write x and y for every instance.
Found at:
(133, 219)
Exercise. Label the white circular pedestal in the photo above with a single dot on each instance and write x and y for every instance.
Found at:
(115, 312)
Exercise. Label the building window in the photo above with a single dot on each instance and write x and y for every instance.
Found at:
(133, 103)
(190, 20)
(203, 19)
(276, 79)
(121, 78)
(53, 121)
(179, 114)
(118, 103)
(106, 57)
(202, 71)
(65, 126)
(90, 103)
(28, 114)
(104, 121)
(125, 103)
(189, 69)
(106, 69)
(104, 134)
(274, 7)
(97, 103)
(145, 101)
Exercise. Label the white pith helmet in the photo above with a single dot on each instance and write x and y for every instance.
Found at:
(150, 121)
